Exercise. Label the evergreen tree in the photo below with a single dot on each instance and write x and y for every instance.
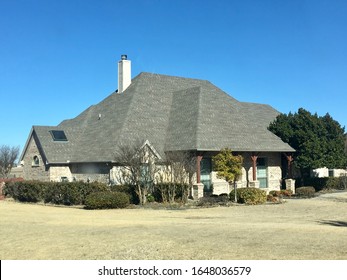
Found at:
(318, 141)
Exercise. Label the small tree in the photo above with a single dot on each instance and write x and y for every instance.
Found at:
(8, 156)
(228, 167)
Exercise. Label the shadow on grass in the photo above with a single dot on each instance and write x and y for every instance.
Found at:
(334, 223)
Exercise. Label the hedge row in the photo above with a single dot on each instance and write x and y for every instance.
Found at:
(322, 183)
(63, 193)
(76, 193)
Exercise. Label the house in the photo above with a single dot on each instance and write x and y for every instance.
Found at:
(172, 114)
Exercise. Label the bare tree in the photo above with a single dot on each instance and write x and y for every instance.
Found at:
(8, 156)
(179, 169)
(137, 163)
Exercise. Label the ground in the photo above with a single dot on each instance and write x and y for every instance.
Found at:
(297, 229)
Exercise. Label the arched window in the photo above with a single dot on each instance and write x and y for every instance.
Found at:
(36, 161)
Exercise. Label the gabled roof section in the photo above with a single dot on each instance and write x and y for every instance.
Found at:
(172, 113)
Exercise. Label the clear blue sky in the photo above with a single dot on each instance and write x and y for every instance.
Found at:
(59, 57)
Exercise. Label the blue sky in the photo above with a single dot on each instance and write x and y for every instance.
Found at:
(59, 57)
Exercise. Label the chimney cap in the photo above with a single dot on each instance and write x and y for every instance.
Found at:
(124, 57)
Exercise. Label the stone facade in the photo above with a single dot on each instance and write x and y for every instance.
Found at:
(273, 174)
(35, 168)
(34, 164)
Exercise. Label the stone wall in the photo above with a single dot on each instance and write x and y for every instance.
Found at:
(58, 172)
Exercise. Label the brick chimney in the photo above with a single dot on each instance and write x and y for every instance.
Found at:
(124, 73)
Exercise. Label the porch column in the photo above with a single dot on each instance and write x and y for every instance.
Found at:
(198, 188)
(290, 159)
(198, 171)
(254, 158)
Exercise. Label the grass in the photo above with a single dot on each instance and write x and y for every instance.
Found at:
(297, 229)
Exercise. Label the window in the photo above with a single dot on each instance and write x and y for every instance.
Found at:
(58, 135)
(262, 172)
(36, 161)
(205, 174)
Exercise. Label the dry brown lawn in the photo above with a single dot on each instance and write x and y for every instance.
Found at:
(297, 229)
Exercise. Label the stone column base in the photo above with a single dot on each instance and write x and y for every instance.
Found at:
(198, 190)
(290, 185)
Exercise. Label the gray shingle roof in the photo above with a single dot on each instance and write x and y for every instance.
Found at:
(173, 113)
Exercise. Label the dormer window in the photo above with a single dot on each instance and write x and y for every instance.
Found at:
(58, 135)
(36, 161)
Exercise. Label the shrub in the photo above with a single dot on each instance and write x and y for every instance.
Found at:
(305, 192)
(280, 193)
(71, 193)
(336, 183)
(150, 198)
(250, 196)
(106, 200)
(272, 198)
(86, 189)
(213, 200)
(130, 190)
(25, 191)
(287, 193)
(275, 193)
(63, 193)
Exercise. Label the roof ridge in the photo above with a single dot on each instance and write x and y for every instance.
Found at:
(170, 76)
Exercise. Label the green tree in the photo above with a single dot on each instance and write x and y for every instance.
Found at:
(228, 166)
(318, 141)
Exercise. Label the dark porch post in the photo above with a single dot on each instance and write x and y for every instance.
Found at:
(198, 161)
(254, 158)
(289, 162)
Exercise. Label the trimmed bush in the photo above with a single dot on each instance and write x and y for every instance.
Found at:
(214, 200)
(106, 200)
(305, 192)
(251, 196)
(130, 190)
(25, 191)
(280, 193)
(66, 193)
(63, 193)
(71, 193)
(86, 189)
